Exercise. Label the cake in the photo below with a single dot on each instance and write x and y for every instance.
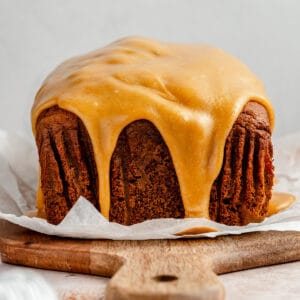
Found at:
(145, 129)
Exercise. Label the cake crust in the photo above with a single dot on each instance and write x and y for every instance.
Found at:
(67, 164)
(144, 184)
(243, 188)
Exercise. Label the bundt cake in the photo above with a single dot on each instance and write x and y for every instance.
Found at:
(145, 129)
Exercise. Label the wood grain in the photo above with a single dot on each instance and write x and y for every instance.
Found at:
(155, 269)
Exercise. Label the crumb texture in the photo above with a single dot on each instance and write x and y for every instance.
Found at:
(143, 179)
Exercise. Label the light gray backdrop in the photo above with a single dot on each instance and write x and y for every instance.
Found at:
(36, 35)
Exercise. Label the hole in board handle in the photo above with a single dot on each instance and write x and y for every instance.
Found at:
(165, 278)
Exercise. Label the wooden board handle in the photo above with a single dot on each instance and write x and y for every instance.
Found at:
(154, 269)
(169, 277)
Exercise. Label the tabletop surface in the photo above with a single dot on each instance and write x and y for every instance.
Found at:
(274, 282)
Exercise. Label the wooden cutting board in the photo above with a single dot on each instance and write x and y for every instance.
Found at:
(154, 269)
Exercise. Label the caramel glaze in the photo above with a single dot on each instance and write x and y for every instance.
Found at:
(279, 202)
(191, 93)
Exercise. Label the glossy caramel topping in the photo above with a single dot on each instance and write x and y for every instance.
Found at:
(196, 230)
(191, 93)
(279, 202)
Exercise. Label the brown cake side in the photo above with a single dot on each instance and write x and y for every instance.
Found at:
(67, 163)
(144, 184)
(241, 192)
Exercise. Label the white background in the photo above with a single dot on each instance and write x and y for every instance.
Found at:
(36, 35)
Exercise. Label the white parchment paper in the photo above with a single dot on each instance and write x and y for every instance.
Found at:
(18, 181)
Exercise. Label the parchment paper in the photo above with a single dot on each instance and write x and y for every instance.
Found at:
(18, 182)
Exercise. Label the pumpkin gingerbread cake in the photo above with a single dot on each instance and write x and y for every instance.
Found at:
(145, 129)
